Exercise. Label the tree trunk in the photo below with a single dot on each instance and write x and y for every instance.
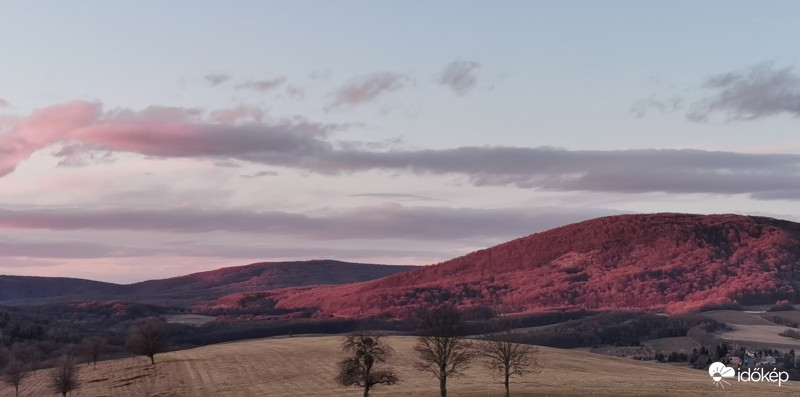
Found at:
(153, 359)
(508, 391)
(443, 386)
(367, 378)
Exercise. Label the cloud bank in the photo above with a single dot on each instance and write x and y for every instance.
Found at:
(299, 144)
(388, 221)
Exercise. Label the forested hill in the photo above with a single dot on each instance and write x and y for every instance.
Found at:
(670, 262)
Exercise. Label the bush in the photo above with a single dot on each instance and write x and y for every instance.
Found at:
(791, 333)
(781, 306)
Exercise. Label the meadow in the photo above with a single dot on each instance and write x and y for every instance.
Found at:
(305, 366)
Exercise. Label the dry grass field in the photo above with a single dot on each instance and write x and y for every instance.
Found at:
(305, 366)
(791, 315)
(737, 317)
(761, 335)
(189, 319)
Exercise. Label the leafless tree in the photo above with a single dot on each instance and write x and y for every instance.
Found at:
(28, 353)
(93, 348)
(148, 337)
(13, 374)
(442, 349)
(359, 369)
(505, 357)
(64, 377)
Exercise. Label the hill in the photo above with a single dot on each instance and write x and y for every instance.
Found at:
(306, 366)
(29, 287)
(264, 276)
(203, 285)
(658, 262)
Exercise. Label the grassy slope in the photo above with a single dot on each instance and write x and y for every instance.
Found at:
(305, 366)
(752, 329)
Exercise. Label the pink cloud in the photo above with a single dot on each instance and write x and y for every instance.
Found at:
(292, 142)
(367, 88)
(156, 131)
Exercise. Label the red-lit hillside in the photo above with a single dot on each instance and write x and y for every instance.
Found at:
(671, 262)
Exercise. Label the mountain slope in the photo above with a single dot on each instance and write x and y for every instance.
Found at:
(266, 276)
(203, 285)
(673, 262)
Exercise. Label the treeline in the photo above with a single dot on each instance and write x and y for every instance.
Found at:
(146, 337)
(616, 329)
(52, 330)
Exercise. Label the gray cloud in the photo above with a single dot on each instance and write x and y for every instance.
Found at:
(760, 91)
(365, 89)
(627, 171)
(642, 107)
(259, 174)
(262, 85)
(217, 78)
(69, 249)
(784, 194)
(396, 196)
(155, 113)
(81, 155)
(374, 222)
(4, 103)
(84, 250)
(459, 76)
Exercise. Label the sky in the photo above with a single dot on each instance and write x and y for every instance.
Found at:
(150, 139)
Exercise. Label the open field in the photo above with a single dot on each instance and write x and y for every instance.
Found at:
(761, 335)
(737, 317)
(189, 319)
(790, 315)
(305, 367)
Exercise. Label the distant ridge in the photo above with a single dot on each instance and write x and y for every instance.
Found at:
(32, 287)
(203, 285)
(669, 262)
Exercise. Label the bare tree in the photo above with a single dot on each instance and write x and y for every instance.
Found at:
(28, 353)
(441, 348)
(4, 356)
(505, 357)
(93, 347)
(148, 337)
(359, 369)
(13, 374)
(64, 377)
